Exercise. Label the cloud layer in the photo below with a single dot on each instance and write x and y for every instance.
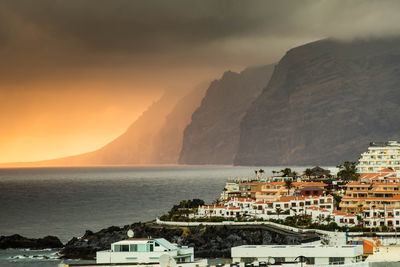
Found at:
(95, 32)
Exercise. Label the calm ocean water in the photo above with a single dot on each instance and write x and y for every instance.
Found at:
(64, 202)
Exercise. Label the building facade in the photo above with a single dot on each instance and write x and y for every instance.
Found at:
(380, 155)
(314, 255)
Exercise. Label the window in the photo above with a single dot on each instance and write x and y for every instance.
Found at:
(133, 247)
(124, 248)
(336, 260)
(310, 260)
(142, 248)
(121, 248)
(279, 259)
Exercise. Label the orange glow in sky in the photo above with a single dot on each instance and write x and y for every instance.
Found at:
(49, 120)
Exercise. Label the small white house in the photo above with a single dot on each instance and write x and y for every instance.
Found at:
(315, 255)
(136, 250)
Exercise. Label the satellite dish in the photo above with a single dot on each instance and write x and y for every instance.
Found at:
(271, 261)
(130, 233)
(167, 261)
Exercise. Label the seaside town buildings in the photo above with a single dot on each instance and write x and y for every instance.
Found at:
(380, 155)
(371, 201)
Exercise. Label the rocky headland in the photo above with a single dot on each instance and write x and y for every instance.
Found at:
(17, 241)
(208, 241)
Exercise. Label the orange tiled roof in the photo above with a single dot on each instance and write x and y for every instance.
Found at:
(337, 212)
(386, 170)
(242, 199)
(317, 208)
(368, 246)
(213, 207)
(395, 197)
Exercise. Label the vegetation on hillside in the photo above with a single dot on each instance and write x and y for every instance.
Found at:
(348, 171)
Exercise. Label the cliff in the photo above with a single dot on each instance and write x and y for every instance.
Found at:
(324, 103)
(212, 137)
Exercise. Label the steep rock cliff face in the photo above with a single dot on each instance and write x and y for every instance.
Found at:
(168, 141)
(213, 135)
(324, 103)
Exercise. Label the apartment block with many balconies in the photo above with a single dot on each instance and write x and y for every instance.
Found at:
(380, 155)
(361, 196)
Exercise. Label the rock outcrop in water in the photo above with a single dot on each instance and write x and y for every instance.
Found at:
(17, 241)
(208, 241)
(213, 135)
(323, 105)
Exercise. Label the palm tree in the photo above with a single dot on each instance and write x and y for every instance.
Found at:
(261, 171)
(328, 219)
(278, 211)
(348, 171)
(286, 172)
(320, 218)
(289, 185)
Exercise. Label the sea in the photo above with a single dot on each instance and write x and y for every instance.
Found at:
(36, 202)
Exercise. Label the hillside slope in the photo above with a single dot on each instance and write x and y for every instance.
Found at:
(213, 135)
(323, 105)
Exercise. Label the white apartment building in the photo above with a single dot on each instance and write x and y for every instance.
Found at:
(315, 255)
(230, 187)
(283, 207)
(381, 217)
(323, 216)
(145, 250)
(380, 155)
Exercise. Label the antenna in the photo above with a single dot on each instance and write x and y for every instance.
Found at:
(130, 233)
(271, 260)
(167, 261)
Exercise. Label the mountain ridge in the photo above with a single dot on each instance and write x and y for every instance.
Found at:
(324, 103)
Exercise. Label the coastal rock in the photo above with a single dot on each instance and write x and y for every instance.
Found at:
(324, 103)
(212, 137)
(208, 241)
(17, 241)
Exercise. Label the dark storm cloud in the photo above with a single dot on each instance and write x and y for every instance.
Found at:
(147, 25)
(74, 33)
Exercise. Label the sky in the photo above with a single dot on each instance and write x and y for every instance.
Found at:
(74, 74)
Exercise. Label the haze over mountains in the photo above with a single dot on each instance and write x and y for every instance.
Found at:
(212, 137)
(323, 104)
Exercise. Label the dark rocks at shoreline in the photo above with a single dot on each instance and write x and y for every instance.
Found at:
(17, 241)
(208, 241)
